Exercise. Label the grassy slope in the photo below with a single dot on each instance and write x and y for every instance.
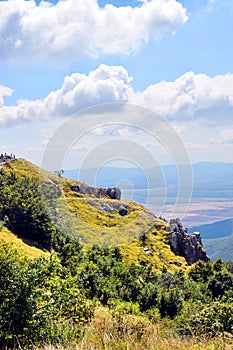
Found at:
(86, 219)
(8, 237)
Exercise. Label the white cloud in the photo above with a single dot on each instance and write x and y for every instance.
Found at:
(208, 100)
(71, 29)
(105, 84)
(4, 91)
(191, 96)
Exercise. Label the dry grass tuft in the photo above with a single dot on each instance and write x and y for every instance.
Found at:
(130, 332)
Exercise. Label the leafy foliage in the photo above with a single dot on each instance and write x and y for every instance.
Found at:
(214, 318)
(23, 211)
(51, 299)
(38, 301)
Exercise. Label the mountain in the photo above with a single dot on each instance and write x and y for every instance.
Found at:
(219, 229)
(43, 209)
(219, 248)
(210, 180)
(217, 238)
(106, 261)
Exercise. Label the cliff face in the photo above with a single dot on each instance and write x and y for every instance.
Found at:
(183, 244)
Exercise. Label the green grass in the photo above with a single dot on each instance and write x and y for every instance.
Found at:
(30, 251)
(83, 217)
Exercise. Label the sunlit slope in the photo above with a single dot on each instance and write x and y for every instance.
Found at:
(8, 237)
(139, 233)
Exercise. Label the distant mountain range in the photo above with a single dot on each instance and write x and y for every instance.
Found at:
(210, 180)
(217, 229)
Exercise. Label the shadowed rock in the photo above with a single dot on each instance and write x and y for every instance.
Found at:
(183, 244)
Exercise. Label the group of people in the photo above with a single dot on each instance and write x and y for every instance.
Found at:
(4, 157)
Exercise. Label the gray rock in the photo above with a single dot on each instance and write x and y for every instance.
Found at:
(181, 243)
(107, 207)
(75, 188)
(113, 193)
(123, 211)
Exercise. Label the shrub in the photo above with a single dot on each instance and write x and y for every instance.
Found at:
(170, 303)
(38, 303)
(213, 319)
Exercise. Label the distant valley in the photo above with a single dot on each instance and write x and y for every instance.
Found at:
(158, 188)
(210, 210)
(210, 180)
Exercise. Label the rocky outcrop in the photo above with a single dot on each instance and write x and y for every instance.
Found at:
(112, 193)
(183, 244)
(109, 207)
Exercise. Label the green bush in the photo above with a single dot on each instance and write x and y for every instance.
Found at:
(213, 319)
(38, 303)
(16, 306)
(170, 303)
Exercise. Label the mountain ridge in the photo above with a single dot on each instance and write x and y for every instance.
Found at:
(85, 217)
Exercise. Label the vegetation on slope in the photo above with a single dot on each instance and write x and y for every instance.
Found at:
(31, 252)
(135, 278)
(217, 239)
(216, 229)
(108, 331)
(40, 207)
(220, 247)
(52, 300)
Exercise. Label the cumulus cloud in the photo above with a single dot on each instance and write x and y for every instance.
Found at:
(71, 29)
(190, 97)
(105, 84)
(78, 91)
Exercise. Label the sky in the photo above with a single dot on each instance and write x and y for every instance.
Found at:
(173, 58)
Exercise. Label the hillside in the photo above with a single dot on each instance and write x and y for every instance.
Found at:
(218, 229)
(217, 239)
(219, 248)
(42, 203)
(112, 274)
(8, 237)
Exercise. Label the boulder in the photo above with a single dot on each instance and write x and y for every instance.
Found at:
(123, 211)
(114, 193)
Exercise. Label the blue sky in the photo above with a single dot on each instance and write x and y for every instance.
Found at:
(175, 58)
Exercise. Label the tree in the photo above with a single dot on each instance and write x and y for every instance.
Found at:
(170, 303)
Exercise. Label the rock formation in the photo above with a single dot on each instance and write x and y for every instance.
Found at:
(113, 193)
(183, 244)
